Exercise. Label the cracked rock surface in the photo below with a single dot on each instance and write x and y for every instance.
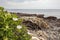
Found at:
(42, 28)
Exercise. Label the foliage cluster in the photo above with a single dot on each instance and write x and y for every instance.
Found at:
(11, 28)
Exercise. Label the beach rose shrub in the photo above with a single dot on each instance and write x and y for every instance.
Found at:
(11, 27)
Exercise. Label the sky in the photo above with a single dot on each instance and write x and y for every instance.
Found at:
(30, 4)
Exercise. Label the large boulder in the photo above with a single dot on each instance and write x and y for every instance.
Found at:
(35, 22)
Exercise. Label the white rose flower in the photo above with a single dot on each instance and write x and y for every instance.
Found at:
(19, 27)
(15, 19)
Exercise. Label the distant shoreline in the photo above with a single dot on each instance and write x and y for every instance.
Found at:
(46, 12)
(36, 15)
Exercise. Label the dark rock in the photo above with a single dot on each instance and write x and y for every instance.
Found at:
(39, 22)
(31, 25)
(51, 17)
(58, 25)
(25, 14)
(58, 20)
(40, 15)
(59, 30)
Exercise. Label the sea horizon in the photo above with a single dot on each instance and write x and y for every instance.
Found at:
(46, 12)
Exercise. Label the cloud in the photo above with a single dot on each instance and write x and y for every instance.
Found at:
(14, 3)
(25, 4)
(20, 0)
(31, 4)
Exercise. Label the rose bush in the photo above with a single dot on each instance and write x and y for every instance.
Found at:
(11, 28)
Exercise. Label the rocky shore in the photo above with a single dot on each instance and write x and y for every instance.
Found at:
(40, 27)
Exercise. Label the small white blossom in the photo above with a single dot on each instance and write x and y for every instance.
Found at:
(15, 19)
(19, 27)
(7, 26)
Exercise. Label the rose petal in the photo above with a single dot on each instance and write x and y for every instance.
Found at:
(19, 27)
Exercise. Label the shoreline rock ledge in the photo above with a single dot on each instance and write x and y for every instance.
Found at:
(41, 28)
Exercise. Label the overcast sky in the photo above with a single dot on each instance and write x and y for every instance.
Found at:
(30, 4)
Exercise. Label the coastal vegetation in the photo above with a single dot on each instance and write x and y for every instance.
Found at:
(11, 27)
(22, 26)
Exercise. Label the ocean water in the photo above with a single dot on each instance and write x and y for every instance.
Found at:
(46, 12)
